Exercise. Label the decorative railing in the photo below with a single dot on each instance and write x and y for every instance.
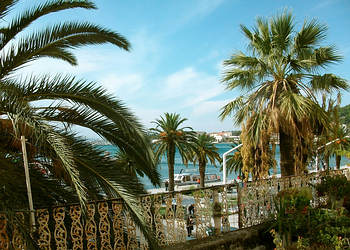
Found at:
(257, 199)
(108, 224)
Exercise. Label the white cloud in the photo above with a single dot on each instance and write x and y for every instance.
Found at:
(122, 85)
(191, 86)
(89, 61)
(147, 115)
(220, 66)
(325, 4)
(201, 9)
(208, 107)
(190, 12)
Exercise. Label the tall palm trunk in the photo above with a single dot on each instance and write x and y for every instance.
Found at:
(337, 161)
(201, 165)
(287, 154)
(171, 161)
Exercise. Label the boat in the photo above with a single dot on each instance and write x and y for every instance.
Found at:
(184, 178)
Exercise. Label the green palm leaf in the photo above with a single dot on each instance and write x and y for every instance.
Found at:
(53, 40)
(6, 6)
(27, 17)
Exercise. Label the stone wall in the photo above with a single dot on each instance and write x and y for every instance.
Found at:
(255, 237)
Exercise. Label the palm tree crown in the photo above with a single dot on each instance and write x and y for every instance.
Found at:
(171, 137)
(281, 74)
(205, 151)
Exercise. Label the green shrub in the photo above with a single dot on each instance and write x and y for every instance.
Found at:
(292, 207)
(329, 228)
(318, 229)
(295, 199)
(334, 186)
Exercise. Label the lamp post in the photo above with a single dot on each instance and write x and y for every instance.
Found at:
(29, 189)
(224, 162)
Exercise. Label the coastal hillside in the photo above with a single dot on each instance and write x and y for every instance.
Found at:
(344, 114)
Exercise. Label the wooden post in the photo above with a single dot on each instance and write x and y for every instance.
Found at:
(29, 189)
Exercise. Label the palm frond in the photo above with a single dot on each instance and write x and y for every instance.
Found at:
(231, 107)
(281, 31)
(236, 77)
(136, 152)
(325, 56)
(47, 190)
(204, 150)
(52, 40)
(78, 92)
(6, 6)
(247, 33)
(19, 23)
(234, 162)
(311, 34)
(328, 83)
(262, 45)
(24, 123)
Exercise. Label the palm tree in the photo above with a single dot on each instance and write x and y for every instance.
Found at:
(171, 137)
(281, 74)
(204, 151)
(234, 163)
(335, 139)
(74, 169)
(342, 145)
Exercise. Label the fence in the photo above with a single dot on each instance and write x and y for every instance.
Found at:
(109, 225)
(256, 199)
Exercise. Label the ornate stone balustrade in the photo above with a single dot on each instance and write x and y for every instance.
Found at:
(108, 225)
(256, 199)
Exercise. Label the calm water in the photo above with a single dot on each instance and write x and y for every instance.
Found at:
(222, 148)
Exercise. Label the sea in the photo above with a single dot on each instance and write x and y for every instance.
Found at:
(211, 169)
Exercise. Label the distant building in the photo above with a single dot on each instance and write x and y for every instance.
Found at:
(236, 138)
(221, 136)
(218, 138)
(225, 133)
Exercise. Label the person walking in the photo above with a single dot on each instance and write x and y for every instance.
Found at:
(189, 225)
(191, 209)
(166, 185)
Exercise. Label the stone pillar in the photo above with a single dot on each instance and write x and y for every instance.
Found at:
(216, 212)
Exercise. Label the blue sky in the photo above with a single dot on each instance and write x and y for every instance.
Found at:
(177, 51)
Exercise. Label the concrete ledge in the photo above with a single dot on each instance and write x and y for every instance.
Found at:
(256, 237)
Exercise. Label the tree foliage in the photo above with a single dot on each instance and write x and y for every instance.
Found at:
(280, 76)
(344, 113)
(64, 167)
(333, 140)
(204, 151)
(257, 159)
(169, 137)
